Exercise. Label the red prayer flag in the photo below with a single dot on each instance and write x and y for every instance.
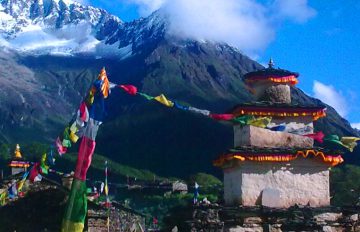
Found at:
(34, 172)
(155, 221)
(86, 150)
(225, 117)
(83, 112)
(319, 136)
(130, 89)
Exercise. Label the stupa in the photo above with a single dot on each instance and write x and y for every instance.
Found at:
(274, 162)
(18, 164)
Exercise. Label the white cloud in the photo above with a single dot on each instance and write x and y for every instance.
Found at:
(296, 10)
(330, 96)
(246, 24)
(83, 2)
(241, 23)
(356, 125)
(146, 7)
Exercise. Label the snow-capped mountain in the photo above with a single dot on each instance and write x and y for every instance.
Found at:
(61, 27)
(39, 94)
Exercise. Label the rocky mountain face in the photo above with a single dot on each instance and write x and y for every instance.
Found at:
(43, 83)
(57, 27)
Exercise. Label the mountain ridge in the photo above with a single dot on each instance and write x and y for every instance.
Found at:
(52, 27)
(41, 92)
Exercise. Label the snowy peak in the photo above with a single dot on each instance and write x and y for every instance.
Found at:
(38, 27)
(18, 14)
(66, 28)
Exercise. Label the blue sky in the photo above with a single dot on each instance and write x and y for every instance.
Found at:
(318, 39)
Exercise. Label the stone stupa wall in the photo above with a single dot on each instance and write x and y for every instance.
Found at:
(277, 93)
(277, 184)
(260, 137)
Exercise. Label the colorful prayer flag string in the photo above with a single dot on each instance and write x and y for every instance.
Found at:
(85, 126)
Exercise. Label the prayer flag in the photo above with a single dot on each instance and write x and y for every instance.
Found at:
(86, 150)
(34, 172)
(12, 191)
(66, 140)
(262, 122)
(243, 120)
(130, 89)
(105, 84)
(97, 109)
(277, 128)
(66, 143)
(50, 157)
(319, 136)
(73, 127)
(148, 97)
(350, 142)
(21, 183)
(76, 209)
(163, 100)
(225, 117)
(196, 192)
(73, 137)
(300, 131)
(334, 141)
(2, 198)
(43, 166)
(181, 107)
(60, 148)
(199, 111)
(83, 112)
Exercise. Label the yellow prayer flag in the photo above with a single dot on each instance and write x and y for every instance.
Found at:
(350, 142)
(349, 139)
(106, 190)
(73, 137)
(20, 185)
(260, 122)
(163, 100)
(2, 198)
(90, 98)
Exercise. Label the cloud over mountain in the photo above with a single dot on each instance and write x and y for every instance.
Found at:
(295, 10)
(329, 95)
(246, 24)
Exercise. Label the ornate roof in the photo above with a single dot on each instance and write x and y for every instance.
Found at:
(270, 71)
(279, 110)
(256, 154)
(19, 164)
(281, 105)
(272, 74)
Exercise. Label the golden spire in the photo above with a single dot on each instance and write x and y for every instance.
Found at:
(271, 63)
(17, 152)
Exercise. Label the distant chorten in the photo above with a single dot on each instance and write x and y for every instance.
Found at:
(18, 164)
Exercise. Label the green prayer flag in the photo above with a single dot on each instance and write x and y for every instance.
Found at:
(243, 120)
(76, 208)
(146, 96)
(66, 143)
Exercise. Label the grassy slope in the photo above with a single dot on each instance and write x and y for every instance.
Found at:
(116, 170)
